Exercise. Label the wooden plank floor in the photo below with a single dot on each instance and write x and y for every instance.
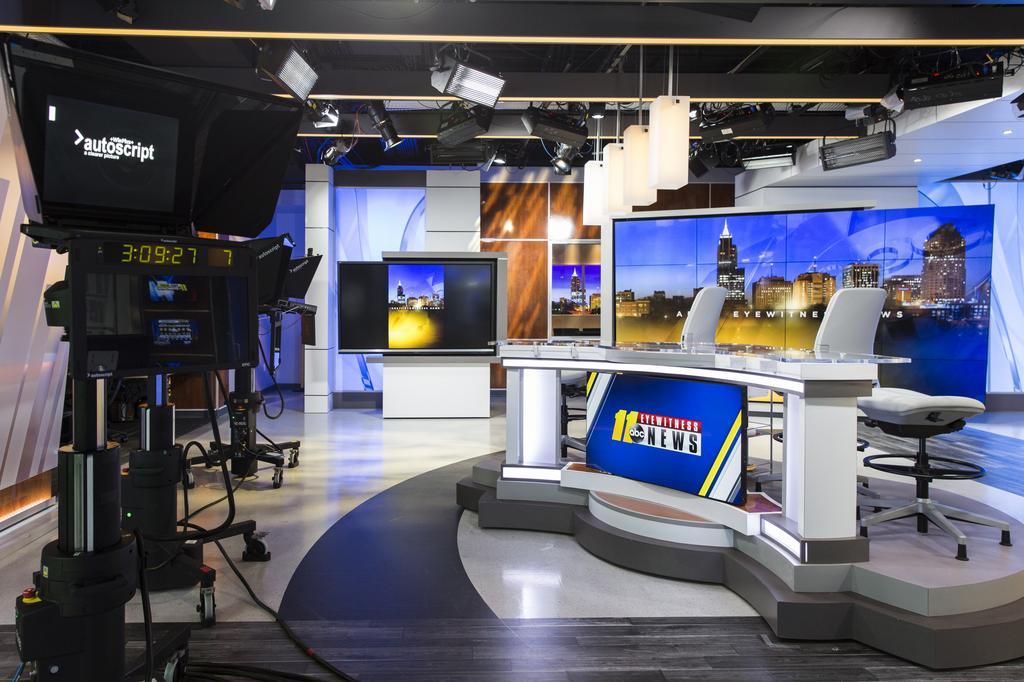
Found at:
(574, 650)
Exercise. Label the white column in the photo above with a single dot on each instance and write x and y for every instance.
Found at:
(533, 429)
(820, 443)
(452, 212)
(318, 365)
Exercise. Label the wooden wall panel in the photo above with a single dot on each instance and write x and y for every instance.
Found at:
(25, 493)
(567, 202)
(527, 293)
(513, 210)
(722, 196)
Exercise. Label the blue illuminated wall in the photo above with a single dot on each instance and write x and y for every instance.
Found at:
(370, 221)
(1006, 337)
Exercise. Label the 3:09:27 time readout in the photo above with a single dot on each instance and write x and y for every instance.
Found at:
(168, 254)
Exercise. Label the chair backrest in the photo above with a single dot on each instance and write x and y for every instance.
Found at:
(702, 320)
(850, 321)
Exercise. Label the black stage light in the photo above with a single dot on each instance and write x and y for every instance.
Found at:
(335, 151)
(324, 114)
(463, 124)
(867, 149)
(287, 68)
(707, 154)
(729, 154)
(768, 159)
(597, 110)
(697, 167)
(267, 4)
(458, 79)
(382, 122)
(562, 160)
(1018, 106)
(125, 10)
(935, 90)
(749, 121)
(465, 154)
(554, 127)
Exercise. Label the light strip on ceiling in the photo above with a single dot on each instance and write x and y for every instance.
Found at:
(534, 40)
(604, 98)
(431, 136)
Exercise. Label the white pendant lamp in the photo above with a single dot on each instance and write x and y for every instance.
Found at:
(669, 141)
(595, 193)
(615, 176)
(638, 190)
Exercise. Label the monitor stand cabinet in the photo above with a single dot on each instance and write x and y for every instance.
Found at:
(436, 387)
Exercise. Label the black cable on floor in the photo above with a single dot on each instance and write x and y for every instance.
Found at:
(147, 611)
(277, 386)
(295, 639)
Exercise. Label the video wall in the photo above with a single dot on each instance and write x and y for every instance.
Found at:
(781, 270)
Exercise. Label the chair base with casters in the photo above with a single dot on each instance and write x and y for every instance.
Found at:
(908, 414)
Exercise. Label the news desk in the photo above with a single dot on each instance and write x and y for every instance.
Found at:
(820, 390)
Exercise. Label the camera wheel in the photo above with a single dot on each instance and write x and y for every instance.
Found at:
(293, 458)
(255, 549)
(190, 479)
(174, 669)
(278, 476)
(207, 607)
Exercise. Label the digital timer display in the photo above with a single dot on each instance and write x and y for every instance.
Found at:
(168, 254)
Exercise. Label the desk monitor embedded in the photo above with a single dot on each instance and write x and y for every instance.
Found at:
(677, 433)
(441, 307)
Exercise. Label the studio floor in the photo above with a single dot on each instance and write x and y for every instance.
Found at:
(375, 564)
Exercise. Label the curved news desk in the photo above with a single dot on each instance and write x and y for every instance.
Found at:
(798, 561)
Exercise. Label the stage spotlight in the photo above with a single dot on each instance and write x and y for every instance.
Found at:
(267, 4)
(125, 10)
(463, 124)
(287, 68)
(783, 160)
(554, 127)
(868, 149)
(562, 160)
(335, 151)
(458, 79)
(324, 114)
(382, 122)
(597, 110)
(747, 121)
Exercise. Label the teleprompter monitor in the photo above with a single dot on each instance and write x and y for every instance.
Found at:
(112, 145)
(418, 306)
(139, 307)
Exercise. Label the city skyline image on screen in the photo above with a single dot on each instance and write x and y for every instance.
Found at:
(781, 270)
(415, 305)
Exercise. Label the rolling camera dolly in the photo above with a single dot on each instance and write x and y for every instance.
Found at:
(149, 503)
(243, 451)
(70, 623)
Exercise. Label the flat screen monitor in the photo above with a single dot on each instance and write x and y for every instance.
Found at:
(780, 270)
(440, 307)
(677, 433)
(152, 307)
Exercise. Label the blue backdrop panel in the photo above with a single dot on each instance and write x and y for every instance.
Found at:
(686, 435)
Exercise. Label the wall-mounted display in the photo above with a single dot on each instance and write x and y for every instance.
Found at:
(686, 435)
(576, 289)
(781, 270)
(441, 307)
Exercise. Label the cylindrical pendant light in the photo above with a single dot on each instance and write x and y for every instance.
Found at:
(669, 140)
(595, 193)
(615, 176)
(638, 190)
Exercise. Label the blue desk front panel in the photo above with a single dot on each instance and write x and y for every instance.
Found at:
(681, 434)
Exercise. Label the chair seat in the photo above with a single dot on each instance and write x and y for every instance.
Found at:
(905, 407)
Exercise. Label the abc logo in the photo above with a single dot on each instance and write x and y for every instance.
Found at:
(636, 434)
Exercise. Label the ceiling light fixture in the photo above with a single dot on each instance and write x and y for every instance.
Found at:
(458, 79)
(324, 114)
(335, 151)
(267, 4)
(669, 137)
(597, 110)
(785, 160)
(554, 127)
(562, 160)
(868, 149)
(464, 124)
(286, 67)
(382, 122)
